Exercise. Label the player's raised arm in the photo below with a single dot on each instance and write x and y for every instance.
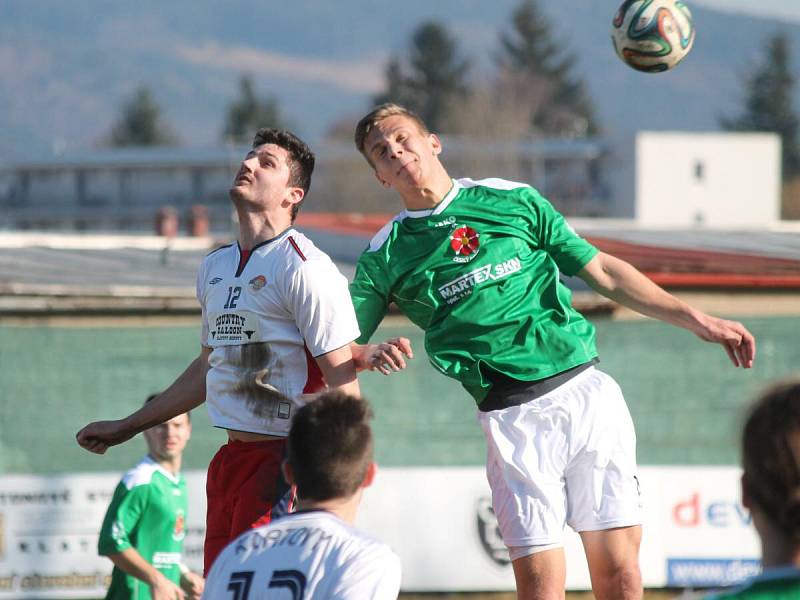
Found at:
(623, 283)
(385, 357)
(188, 391)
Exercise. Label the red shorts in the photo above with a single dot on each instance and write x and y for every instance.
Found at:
(245, 488)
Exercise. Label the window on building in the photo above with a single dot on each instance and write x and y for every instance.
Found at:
(699, 170)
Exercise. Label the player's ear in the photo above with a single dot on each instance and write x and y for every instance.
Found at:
(288, 472)
(369, 477)
(436, 143)
(294, 195)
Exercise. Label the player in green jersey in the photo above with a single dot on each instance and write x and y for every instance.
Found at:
(476, 265)
(145, 524)
(771, 492)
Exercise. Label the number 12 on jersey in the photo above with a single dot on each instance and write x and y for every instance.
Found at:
(233, 296)
(289, 579)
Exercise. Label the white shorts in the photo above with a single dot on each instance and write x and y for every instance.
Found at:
(567, 457)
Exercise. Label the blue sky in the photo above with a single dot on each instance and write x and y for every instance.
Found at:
(787, 9)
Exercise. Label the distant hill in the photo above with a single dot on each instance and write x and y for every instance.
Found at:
(66, 66)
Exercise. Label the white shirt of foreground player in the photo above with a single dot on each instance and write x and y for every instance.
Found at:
(310, 555)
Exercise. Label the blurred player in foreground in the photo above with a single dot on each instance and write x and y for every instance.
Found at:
(316, 553)
(476, 265)
(277, 323)
(145, 524)
(771, 492)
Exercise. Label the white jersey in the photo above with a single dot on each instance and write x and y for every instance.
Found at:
(265, 321)
(305, 556)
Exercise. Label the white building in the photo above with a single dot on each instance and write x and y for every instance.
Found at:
(682, 179)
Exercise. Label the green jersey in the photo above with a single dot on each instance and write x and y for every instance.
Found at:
(774, 584)
(479, 273)
(147, 513)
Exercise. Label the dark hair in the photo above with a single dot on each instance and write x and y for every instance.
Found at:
(300, 161)
(771, 456)
(151, 396)
(330, 446)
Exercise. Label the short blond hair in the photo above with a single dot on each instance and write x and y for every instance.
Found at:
(378, 114)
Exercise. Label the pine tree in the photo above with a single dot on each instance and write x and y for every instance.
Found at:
(769, 103)
(432, 79)
(398, 86)
(248, 113)
(529, 50)
(140, 123)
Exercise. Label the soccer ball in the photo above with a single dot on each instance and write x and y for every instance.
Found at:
(652, 35)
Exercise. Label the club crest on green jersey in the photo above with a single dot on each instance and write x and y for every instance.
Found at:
(465, 242)
(179, 531)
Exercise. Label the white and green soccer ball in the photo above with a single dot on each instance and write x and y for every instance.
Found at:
(652, 35)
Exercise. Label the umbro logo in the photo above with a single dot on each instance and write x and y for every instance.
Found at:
(215, 281)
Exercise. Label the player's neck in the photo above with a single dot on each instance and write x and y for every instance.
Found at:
(344, 508)
(255, 228)
(779, 555)
(429, 193)
(171, 465)
(777, 549)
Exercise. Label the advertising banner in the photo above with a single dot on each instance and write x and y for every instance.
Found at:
(439, 521)
(707, 537)
(49, 528)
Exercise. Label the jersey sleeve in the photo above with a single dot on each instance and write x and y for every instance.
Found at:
(374, 575)
(569, 250)
(320, 303)
(370, 293)
(122, 517)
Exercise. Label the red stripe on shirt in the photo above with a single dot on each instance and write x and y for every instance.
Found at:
(315, 382)
(244, 256)
(296, 247)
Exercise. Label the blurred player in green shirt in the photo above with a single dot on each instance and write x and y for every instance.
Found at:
(477, 264)
(145, 524)
(771, 492)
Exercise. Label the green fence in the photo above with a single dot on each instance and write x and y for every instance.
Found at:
(686, 399)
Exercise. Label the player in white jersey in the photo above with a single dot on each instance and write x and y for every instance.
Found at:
(265, 319)
(316, 553)
(277, 322)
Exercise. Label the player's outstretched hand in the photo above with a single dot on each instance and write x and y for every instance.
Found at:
(192, 584)
(98, 436)
(388, 356)
(738, 342)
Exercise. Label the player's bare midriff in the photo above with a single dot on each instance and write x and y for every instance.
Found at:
(246, 436)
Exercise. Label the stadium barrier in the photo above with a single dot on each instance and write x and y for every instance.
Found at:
(439, 520)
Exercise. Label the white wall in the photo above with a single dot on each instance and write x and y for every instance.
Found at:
(707, 179)
(621, 176)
